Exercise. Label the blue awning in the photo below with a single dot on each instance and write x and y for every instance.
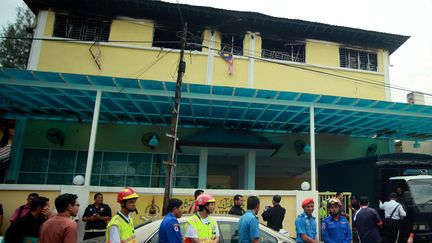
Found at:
(59, 96)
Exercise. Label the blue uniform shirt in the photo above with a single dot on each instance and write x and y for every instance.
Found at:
(169, 230)
(305, 225)
(248, 227)
(336, 231)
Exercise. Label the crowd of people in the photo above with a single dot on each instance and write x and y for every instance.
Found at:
(36, 222)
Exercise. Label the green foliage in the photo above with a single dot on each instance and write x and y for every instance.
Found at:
(15, 51)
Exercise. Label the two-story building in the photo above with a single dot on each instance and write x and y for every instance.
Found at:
(264, 100)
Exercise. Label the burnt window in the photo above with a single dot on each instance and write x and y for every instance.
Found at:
(232, 43)
(358, 59)
(283, 50)
(81, 28)
(170, 37)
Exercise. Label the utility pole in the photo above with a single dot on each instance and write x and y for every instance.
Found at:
(172, 135)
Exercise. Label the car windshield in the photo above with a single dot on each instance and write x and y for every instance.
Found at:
(421, 190)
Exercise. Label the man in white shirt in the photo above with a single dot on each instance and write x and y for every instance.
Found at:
(394, 214)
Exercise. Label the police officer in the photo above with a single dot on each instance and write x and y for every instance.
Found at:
(121, 227)
(335, 227)
(201, 228)
(169, 230)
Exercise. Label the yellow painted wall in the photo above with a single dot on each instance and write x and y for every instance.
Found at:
(49, 28)
(12, 199)
(130, 30)
(322, 54)
(119, 61)
(223, 205)
(289, 78)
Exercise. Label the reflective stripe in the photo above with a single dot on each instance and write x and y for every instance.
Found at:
(95, 230)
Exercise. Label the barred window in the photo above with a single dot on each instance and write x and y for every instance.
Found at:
(80, 28)
(358, 59)
(170, 37)
(282, 50)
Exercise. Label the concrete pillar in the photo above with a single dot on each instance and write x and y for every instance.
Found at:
(92, 142)
(249, 170)
(202, 175)
(16, 151)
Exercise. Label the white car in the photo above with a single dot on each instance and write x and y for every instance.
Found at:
(149, 231)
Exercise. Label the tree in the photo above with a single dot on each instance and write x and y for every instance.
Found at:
(14, 50)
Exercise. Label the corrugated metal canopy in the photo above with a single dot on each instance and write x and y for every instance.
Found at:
(57, 96)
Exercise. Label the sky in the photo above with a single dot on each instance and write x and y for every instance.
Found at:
(411, 64)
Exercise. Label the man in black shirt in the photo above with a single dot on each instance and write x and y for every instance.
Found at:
(27, 227)
(274, 215)
(367, 222)
(237, 208)
(96, 215)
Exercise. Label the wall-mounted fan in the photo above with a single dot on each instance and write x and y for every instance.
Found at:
(150, 140)
(301, 147)
(56, 136)
(371, 149)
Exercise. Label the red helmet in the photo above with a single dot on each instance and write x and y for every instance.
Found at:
(334, 201)
(203, 199)
(125, 194)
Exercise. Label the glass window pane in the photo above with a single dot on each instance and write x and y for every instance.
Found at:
(139, 164)
(94, 181)
(59, 179)
(111, 180)
(158, 181)
(187, 169)
(135, 181)
(114, 163)
(62, 161)
(186, 182)
(158, 167)
(97, 163)
(31, 178)
(81, 162)
(187, 159)
(35, 160)
(266, 237)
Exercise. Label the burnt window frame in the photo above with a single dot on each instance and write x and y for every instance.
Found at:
(358, 59)
(165, 36)
(237, 45)
(81, 28)
(284, 50)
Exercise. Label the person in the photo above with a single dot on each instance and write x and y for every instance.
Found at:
(367, 222)
(354, 206)
(305, 223)
(237, 208)
(121, 226)
(96, 216)
(22, 210)
(61, 228)
(335, 227)
(393, 214)
(169, 230)
(248, 225)
(1, 218)
(274, 215)
(194, 208)
(340, 196)
(200, 227)
(27, 228)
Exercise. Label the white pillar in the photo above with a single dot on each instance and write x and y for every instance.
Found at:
(210, 59)
(202, 175)
(251, 69)
(36, 47)
(312, 146)
(386, 65)
(92, 142)
(249, 167)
